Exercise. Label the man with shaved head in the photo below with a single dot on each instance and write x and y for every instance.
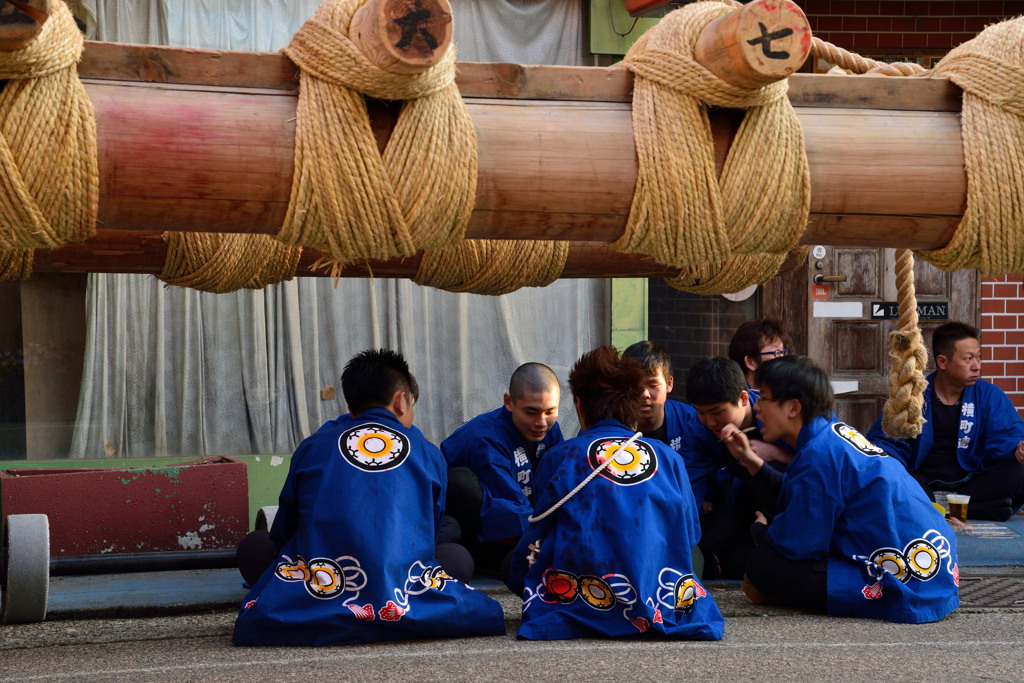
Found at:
(491, 460)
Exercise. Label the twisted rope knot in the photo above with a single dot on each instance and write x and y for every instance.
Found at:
(50, 193)
(682, 214)
(321, 48)
(902, 416)
(990, 69)
(347, 200)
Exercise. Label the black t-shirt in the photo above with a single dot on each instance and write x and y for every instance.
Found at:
(659, 434)
(941, 464)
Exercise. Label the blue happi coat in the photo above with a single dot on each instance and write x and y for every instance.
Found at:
(891, 554)
(616, 559)
(492, 447)
(688, 437)
(989, 431)
(357, 524)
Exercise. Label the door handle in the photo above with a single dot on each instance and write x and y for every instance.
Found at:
(820, 279)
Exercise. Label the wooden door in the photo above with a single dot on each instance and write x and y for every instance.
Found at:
(852, 347)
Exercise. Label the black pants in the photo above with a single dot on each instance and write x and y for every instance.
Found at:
(257, 552)
(988, 490)
(725, 534)
(464, 498)
(803, 583)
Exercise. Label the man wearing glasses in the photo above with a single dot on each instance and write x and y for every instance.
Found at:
(852, 534)
(755, 342)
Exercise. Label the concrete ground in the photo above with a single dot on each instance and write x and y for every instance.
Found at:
(176, 626)
(761, 643)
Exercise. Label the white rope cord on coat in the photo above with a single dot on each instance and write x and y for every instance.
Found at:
(586, 481)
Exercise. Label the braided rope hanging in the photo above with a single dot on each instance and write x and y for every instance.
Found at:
(50, 192)
(990, 69)
(348, 201)
(493, 266)
(682, 214)
(902, 414)
(219, 263)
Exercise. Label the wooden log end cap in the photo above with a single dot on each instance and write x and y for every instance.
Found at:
(403, 36)
(775, 37)
(763, 42)
(20, 22)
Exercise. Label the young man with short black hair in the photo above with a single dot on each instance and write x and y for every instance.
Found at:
(717, 390)
(972, 441)
(673, 422)
(356, 527)
(853, 534)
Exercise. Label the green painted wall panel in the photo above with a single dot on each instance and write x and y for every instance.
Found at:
(629, 311)
(612, 30)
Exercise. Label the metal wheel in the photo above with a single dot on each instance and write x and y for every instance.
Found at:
(265, 517)
(27, 582)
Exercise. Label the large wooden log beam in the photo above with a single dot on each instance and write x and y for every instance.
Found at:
(557, 159)
(556, 153)
(124, 251)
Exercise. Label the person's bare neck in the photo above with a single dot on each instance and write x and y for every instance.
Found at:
(748, 418)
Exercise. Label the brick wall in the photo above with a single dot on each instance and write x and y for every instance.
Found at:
(924, 28)
(692, 327)
(1002, 335)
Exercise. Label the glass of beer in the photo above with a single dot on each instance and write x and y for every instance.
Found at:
(958, 506)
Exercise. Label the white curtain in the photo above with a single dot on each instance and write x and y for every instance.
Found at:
(519, 31)
(171, 371)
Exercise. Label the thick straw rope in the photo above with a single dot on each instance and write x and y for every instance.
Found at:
(990, 69)
(739, 272)
(16, 264)
(219, 263)
(50, 192)
(682, 215)
(902, 415)
(493, 266)
(346, 200)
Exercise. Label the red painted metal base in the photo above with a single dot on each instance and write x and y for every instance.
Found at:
(197, 505)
